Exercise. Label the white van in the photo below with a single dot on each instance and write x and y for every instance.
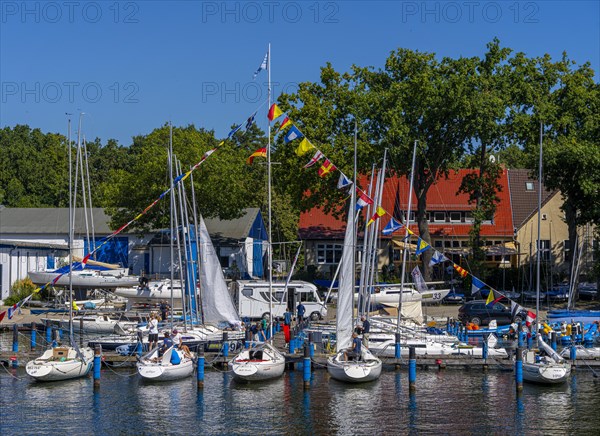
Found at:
(251, 298)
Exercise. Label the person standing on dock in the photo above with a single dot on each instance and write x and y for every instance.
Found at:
(164, 310)
(300, 312)
(287, 317)
(366, 328)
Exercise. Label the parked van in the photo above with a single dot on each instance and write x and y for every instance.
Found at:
(251, 298)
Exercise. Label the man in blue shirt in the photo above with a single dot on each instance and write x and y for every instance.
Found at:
(355, 351)
(366, 328)
(300, 309)
(287, 317)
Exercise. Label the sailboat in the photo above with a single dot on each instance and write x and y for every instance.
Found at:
(64, 362)
(262, 361)
(366, 367)
(549, 368)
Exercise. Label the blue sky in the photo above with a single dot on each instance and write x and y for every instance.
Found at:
(132, 66)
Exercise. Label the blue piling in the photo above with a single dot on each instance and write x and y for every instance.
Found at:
(33, 336)
(200, 369)
(484, 353)
(398, 347)
(520, 335)
(573, 353)
(292, 345)
(311, 344)
(412, 369)
(15, 345)
(225, 344)
(97, 365)
(529, 342)
(48, 332)
(553, 340)
(519, 369)
(307, 365)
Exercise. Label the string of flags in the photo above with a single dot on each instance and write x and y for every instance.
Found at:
(363, 200)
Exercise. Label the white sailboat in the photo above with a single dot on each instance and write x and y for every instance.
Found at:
(166, 367)
(366, 367)
(262, 361)
(64, 363)
(549, 367)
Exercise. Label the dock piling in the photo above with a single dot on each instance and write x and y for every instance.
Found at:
(97, 365)
(412, 369)
(33, 336)
(140, 344)
(573, 352)
(397, 349)
(48, 332)
(519, 369)
(200, 369)
(553, 340)
(306, 365)
(15, 345)
(225, 344)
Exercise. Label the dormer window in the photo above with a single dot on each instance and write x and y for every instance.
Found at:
(529, 186)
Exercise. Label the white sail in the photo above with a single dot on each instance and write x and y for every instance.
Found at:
(346, 286)
(216, 300)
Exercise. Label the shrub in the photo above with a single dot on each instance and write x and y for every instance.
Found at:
(21, 289)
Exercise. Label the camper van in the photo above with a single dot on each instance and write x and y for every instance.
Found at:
(251, 298)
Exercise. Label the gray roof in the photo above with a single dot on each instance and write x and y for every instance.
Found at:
(523, 201)
(237, 229)
(49, 221)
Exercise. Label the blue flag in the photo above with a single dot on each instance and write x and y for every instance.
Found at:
(391, 227)
(422, 246)
(292, 134)
(250, 120)
(437, 258)
(235, 129)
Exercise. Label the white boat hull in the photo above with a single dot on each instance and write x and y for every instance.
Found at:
(155, 292)
(365, 370)
(99, 324)
(546, 373)
(50, 367)
(163, 369)
(84, 279)
(262, 362)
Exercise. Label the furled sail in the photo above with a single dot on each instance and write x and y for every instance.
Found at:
(216, 300)
(346, 285)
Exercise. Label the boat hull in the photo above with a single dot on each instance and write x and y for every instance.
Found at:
(84, 281)
(46, 368)
(163, 370)
(546, 373)
(354, 372)
(258, 363)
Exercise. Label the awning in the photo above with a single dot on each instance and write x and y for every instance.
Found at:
(505, 249)
(404, 245)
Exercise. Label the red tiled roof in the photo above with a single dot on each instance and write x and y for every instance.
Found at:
(442, 196)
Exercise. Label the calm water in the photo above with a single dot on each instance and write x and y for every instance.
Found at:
(447, 402)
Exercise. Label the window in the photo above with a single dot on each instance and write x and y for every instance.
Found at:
(329, 253)
(469, 217)
(438, 244)
(455, 244)
(455, 217)
(529, 186)
(439, 217)
(545, 252)
(567, 250)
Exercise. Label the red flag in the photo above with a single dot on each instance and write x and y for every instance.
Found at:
(274, 112)
(2, 315)
(530, 318)
(261, 152)
(286, 122)
(326, 168)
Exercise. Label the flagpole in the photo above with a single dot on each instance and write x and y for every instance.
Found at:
(406, 233)
(270, 239)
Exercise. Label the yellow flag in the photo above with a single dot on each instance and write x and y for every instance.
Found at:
(379, 212)
(490, 298)
(304, 147)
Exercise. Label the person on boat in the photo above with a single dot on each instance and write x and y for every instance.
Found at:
(152, 332)
(167, 343)
(178, 341)
(366, 329)
(254, 331)
(355, 350)
(300, 312)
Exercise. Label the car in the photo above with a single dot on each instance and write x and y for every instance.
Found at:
(477, 312)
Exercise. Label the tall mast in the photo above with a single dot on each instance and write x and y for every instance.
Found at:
(171, 232)
(353, 214)
(539, 223)
(270, 247)
(71, 231)
(407, 224)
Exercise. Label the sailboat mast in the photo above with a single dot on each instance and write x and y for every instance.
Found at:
(171, 231)
(353, 214)
(407, 224)
(70, 244)
(270, 237)
(539, 223)
(199, 308)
